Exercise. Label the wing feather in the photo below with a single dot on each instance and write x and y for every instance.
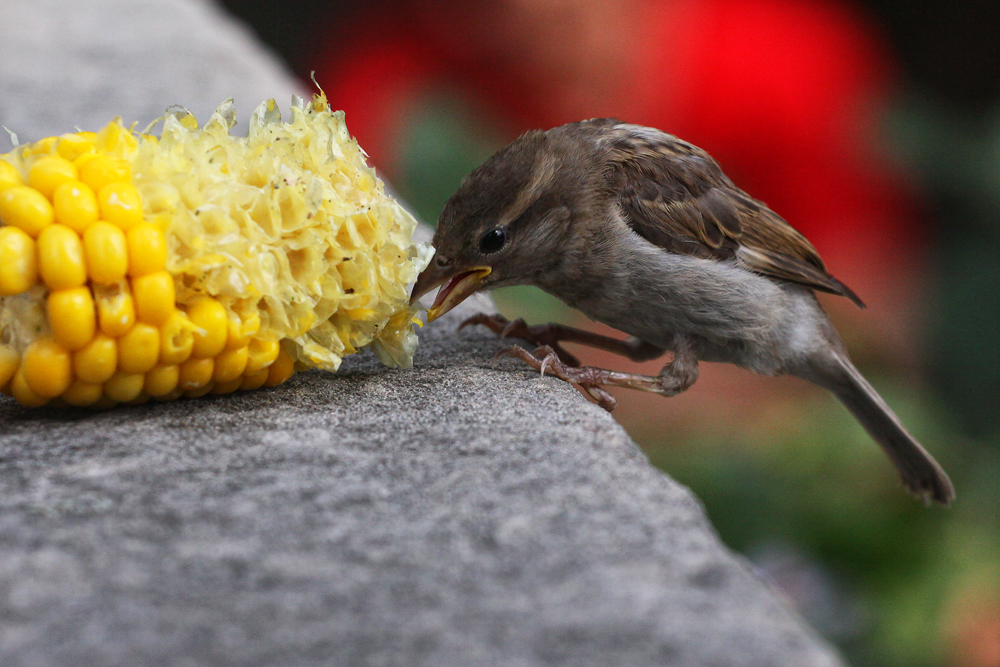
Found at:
(676, 196)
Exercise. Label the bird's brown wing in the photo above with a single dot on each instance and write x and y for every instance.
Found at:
(676, 196)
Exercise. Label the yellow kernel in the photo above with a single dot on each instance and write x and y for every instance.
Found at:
(124, 387)
(9, 175)
(188, 120)
(23, 393)
(97, 361)
(210, 317)
(195, 373)
(115, 135)
(43, 146)
(176, 339)
(131, 142)
(9, 361)
(115, 308)
(139, 349)
(82, 394)
(240, 332)
(254, 381)
(83, 159)
(262, 354)
(97, 170)
(229, 365)
(162, 221)
(75, 205)
(72, 146)
(201, 391)
(106, 252)
(26, 209)
(141, 399)
(18, 261)
(172, 396)
(48, 367)
(226, 387)
(120, 204)
(72, 317)
(154, 297)
(60, 257)
(161, 380)
(280, 370)
(147, 249)
(49, 172)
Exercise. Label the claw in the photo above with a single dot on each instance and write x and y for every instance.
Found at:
(568, 359)
(541, 334)
(509, 351)
(512, 328)
(550, 358)
(545, 363)
(601, 397)
(547, 355)
(544, 359)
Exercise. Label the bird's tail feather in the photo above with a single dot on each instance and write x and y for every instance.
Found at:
(921, 474)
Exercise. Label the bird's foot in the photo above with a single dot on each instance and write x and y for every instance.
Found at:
(542, 335)
(546, 359)
(674, 378)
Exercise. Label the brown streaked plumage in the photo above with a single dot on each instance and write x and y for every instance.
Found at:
(644, 232)
(676, 196)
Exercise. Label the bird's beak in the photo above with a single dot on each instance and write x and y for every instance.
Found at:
(459, 287)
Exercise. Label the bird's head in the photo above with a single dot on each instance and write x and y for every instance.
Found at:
(506, 224)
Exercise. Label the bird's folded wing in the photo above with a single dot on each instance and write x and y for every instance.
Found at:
(675, 196)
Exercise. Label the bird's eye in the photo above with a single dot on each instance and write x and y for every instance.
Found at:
(492, 241)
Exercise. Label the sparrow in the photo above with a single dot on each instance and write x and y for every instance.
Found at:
(644, 232)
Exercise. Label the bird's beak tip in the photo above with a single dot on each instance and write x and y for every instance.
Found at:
(460, 287)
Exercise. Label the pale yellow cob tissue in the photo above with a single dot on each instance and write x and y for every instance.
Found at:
(135, 267)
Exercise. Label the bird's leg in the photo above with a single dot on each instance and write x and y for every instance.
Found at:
(675, 377)
(550, 335)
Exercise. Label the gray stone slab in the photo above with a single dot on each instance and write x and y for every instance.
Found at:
(448, 515)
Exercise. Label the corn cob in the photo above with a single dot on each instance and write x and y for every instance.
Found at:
(136, 267)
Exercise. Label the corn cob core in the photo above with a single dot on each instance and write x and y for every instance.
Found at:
(136, 267)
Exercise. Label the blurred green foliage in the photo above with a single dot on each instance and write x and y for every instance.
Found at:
(440, 145)
(954, 156)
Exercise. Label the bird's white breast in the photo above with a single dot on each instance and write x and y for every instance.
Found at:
(733, 315)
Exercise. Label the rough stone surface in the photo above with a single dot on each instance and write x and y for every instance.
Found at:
(448, 515)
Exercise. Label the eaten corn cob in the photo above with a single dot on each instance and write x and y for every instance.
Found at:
(136, 267)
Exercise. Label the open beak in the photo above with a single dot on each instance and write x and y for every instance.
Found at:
(459, 287)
